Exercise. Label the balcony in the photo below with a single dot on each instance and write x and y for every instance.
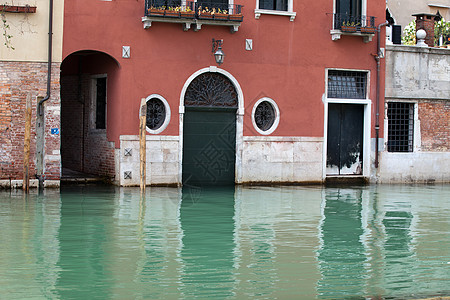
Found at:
(192, 15)
(344, 24)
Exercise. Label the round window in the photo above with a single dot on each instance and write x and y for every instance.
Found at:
(265, 116)
(156, 113)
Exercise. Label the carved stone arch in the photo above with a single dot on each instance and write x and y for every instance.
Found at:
(211, 89)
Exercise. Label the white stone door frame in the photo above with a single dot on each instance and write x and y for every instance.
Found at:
(239, 120)
(366, 132)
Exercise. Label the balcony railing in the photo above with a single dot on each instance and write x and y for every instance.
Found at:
(193, 10)
(349, 23)
(345, 24)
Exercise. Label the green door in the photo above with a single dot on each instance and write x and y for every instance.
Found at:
(209, 146)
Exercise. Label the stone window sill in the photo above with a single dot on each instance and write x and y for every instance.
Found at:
(336, 35)
(290, 14)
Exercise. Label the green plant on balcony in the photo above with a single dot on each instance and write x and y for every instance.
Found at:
(172, 11)
(348, 26)
(218, 14)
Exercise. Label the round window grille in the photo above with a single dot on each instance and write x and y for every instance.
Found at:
(156, 113)
(264, 115)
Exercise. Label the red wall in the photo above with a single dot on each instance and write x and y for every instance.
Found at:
(287, 63)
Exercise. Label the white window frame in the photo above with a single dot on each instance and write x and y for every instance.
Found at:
(93, 110)
(289, 13)
(167, 118)
(417, 137)
(275, 122)
(367, 121)
(336, 33)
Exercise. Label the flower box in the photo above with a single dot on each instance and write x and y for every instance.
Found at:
(220, 16)
(205, 15)
(187, 14)
(172, 13)
(17, 8)
(347, 28)
(367, 29)
(156, 12)
(235, 17)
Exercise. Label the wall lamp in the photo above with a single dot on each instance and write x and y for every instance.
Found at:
(217, 50)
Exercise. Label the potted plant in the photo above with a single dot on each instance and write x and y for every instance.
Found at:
(349, 26)
(220, 14)
(156, 11)
(205, 13)
(173, 11)
(186, 12)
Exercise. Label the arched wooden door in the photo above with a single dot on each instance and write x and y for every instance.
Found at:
(209, 131)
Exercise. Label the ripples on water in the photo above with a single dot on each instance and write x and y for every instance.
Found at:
(259, 243)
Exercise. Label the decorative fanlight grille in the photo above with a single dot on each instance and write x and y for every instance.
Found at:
(211, 90)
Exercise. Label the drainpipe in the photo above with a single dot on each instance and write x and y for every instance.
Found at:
(40, 109)
(49, 72)
(378, 57)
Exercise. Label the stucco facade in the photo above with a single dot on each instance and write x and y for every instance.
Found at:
(281, 56)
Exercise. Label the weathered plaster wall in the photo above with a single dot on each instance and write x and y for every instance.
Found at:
(30, 32)
(420, 76)
(417, 72)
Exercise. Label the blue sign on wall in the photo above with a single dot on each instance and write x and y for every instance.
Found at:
(55, 130)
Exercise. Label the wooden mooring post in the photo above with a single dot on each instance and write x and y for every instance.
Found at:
(142, 146)
(26, 146)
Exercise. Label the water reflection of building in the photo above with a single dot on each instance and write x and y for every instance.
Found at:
(342, 254)
(30, 247)
(149, 242)
(380, 241)
(276, 234)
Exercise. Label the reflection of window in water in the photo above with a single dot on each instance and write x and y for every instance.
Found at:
(341, 256)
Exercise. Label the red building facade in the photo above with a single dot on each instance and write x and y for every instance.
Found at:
(293, 101)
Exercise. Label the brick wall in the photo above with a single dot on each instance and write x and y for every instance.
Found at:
(17, 79)
(83, 148)
(434, 119)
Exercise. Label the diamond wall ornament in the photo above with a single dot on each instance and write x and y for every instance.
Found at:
(128, 152)
(127, 175)
(126, 51)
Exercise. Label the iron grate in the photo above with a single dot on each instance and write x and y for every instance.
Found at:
(400, 126)
(347, 84)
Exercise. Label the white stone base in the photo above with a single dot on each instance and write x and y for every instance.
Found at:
(162, 167)
(415, 167)
(282, 159)
(17, 184)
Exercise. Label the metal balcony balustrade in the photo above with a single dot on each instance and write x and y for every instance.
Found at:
(363, 24)
(346, 24)
(193, 10)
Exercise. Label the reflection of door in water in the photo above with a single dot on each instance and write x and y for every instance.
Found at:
(209, 146)
(345, 139)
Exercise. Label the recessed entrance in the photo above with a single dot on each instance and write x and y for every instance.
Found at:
(209, 131)
(87, 89)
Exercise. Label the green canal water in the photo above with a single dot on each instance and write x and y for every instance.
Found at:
(101, 242)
